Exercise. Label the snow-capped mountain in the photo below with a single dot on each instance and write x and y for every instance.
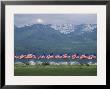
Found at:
(89, 27)
(85, 28)
(68, 28)
(61, 32)
(64, 28)
(43, 37)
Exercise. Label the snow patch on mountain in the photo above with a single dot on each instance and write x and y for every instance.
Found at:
(68, 28)
(63, 28)
(89, 28)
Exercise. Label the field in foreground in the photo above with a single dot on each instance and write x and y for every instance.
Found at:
(55, 70)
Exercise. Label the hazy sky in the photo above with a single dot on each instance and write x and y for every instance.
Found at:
(23, 19)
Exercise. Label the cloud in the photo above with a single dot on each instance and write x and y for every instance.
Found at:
(23, 19)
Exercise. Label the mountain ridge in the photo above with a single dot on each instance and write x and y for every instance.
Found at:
(44, 37)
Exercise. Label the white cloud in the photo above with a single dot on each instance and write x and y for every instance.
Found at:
(23, 19)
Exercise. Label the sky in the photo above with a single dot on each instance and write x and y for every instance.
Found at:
(28, 19)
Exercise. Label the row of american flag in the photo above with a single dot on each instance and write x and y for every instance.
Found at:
(63, 56)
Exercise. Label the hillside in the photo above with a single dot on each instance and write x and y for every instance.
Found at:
(53, 38)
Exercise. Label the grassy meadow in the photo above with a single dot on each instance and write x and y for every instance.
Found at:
(55, 70)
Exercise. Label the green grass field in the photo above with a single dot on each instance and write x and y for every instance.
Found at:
(55, 70)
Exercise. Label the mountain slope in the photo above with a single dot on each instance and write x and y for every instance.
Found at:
(40, 37)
